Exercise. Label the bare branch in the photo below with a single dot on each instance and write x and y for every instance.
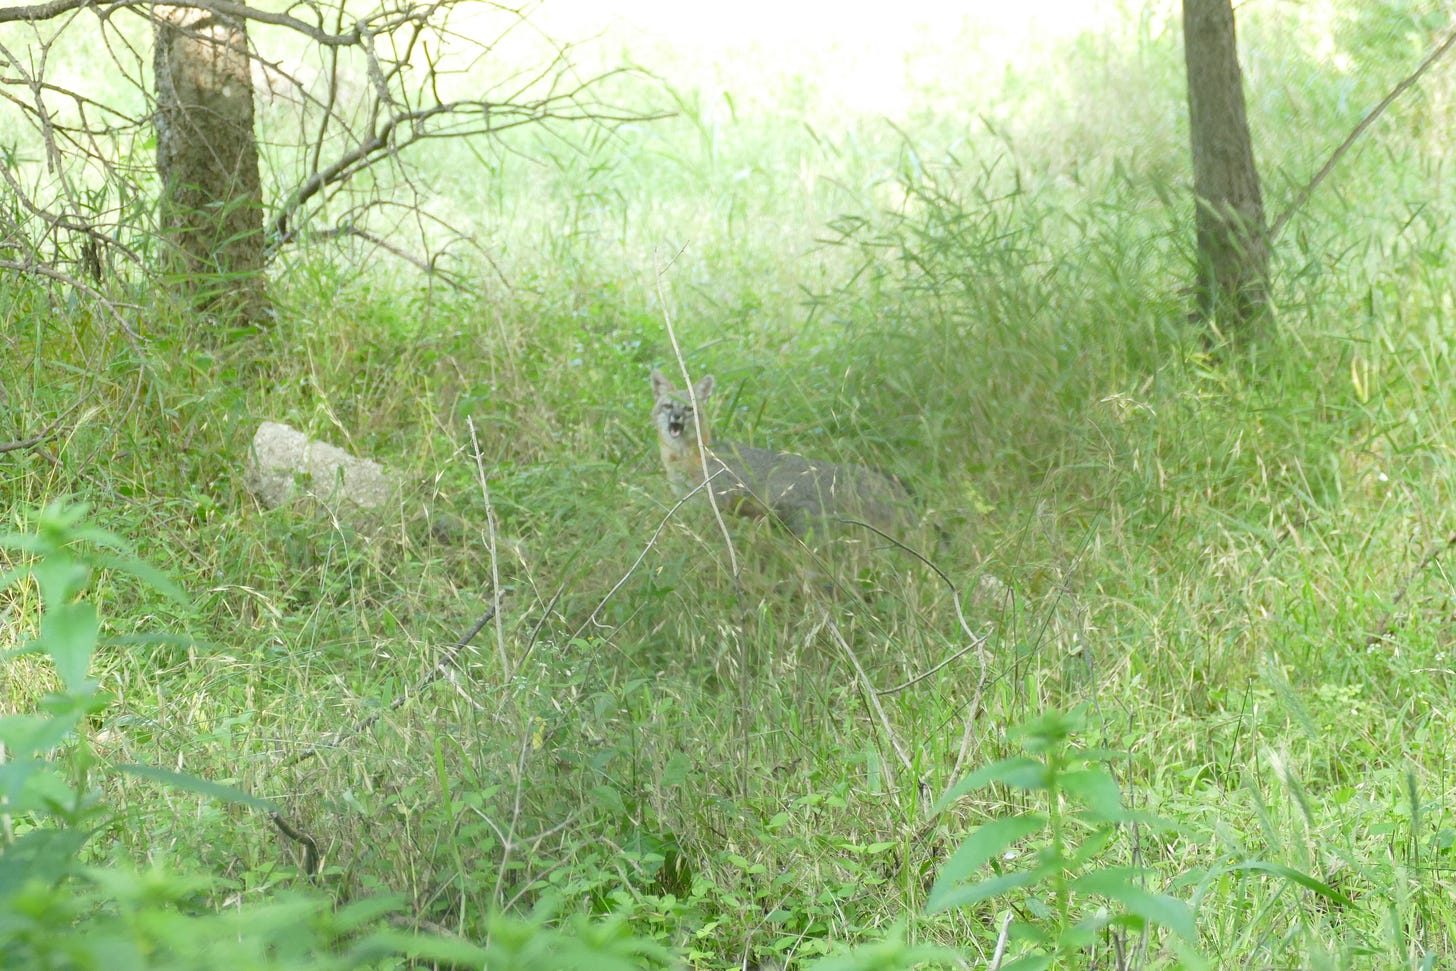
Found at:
(44, 11)
(376, 85)
(110, 306)
(41, 12)
(45, 434)
(444, 667)
(1406, 83)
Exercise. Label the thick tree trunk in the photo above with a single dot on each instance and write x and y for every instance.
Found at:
(207, 157)
(1233, 249)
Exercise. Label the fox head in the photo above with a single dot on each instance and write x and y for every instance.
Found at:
(673, 413)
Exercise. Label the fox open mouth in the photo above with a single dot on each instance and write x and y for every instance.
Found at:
(675, 427)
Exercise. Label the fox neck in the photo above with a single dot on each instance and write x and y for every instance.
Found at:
(680, 450)
(683, 460)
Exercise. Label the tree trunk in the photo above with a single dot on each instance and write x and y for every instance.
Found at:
(1233, 248)
(207, 157)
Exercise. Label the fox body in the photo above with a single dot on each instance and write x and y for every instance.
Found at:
(759, 482)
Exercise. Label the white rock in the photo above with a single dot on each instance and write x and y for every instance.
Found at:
(285, 465)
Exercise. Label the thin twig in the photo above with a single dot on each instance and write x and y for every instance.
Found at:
(955, 595)
(1356, 132)
(50, 273)
(442, 668)
(642, 555)
(871, 695)
(42, 11)
(398, 110)
(973, 645)
(1001, 939)
(495, 586)
(45, 434)
(745, 665)
(704, 445)
(1392, 620)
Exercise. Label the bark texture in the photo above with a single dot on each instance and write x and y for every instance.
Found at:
(1233, 247)
(207, 157)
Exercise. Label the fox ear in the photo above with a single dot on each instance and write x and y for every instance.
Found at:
(660, 384)
(703, 388)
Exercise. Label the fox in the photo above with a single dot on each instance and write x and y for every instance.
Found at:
(799, 493)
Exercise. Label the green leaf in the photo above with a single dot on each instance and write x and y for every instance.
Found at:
(23, 543)
(361, 913)
(1093, 845)
(146, 887)
(676, 771)
(203, 787)
(987, 841)
(1095, 789)
(34, 786)
(1289, 873)
(1117, 884)
(60, 577)
(430, 949)
(144, 572)
(1031, 962)
(41, 854)
(33, 734)
(608, 798)
(1050, 729)
(1020, 773)
(68, 635)
(945, 897)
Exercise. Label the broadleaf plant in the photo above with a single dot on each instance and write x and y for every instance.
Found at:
(1053, 863)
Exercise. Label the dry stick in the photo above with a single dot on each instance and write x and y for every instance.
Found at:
(508, 839)
(429, 267)
(973, 645)
(45, 434)
(1001, 938)
(42, 11)
(1358, 130)
(133, 340)
(49, 11)
(955, 598)
(871, 695)
(651, 542)
(977, 640)
(41, 269)
(704, 447)
(441, 669)
(399, 115)
(546, 610)
(697, 423)
(495, 586)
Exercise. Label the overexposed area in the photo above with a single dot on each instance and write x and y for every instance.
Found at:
(857, 57)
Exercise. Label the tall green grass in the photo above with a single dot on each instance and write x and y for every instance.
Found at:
(1197, 546)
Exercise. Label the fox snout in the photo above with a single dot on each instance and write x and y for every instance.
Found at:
(675, 425)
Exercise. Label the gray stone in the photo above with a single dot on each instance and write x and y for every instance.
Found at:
(285, 466)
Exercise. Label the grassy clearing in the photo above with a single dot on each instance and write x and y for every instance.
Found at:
(1200, 550)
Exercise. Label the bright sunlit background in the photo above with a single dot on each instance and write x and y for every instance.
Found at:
(866, 58)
